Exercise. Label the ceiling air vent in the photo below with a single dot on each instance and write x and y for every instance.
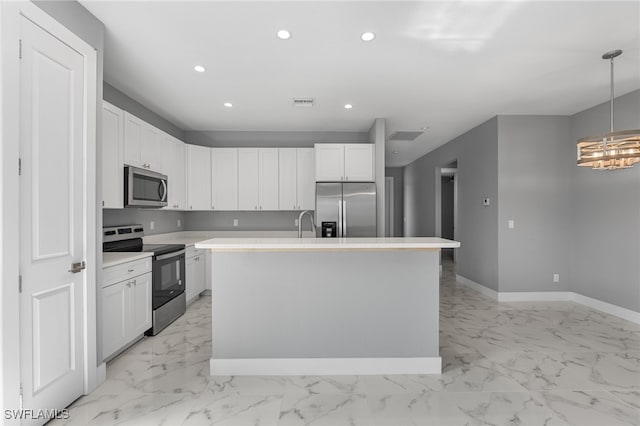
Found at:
(303, 102)
(404, 136)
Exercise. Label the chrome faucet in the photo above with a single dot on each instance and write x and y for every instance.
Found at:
(313, 225)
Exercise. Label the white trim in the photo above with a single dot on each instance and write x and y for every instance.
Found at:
(606, 307)
(477, 287)
(549, 296)
(533, 296)
(101, 373)
(324, 366)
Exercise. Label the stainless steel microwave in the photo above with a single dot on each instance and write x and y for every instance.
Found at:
(144, 188)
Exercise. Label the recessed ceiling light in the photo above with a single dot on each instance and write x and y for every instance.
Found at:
(228, 104)
(348, 106)
(367, 36)
(283, 34)
(395, 152)
(199, 68)
(424, 128)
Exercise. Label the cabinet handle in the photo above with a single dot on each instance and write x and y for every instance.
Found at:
(129, 284)
(129, 270)
(134, 282)
(260, 207)
(190, 207)
(255, 207)
(213, 207)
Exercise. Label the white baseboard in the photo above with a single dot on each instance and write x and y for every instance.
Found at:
(533, 296)
(608, 308)
(548, 296)
(101, 374)
(324, 366)
(477, 287)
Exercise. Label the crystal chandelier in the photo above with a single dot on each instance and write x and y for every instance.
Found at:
(613, 150)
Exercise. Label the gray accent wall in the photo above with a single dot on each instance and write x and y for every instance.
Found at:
(258, 139)
(534, 170)
(164, 220)
(477, 155)
(397, 173)
(605, 214)
(123, 101)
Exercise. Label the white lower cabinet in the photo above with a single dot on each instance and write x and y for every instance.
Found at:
(195, 273)
(126, 305)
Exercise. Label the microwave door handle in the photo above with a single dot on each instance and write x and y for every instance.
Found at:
(163, 196)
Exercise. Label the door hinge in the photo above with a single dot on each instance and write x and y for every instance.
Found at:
(19, 166)
(21, 398)
(20, 283)
(20, 49)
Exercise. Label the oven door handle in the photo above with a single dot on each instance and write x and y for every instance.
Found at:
(170, 255)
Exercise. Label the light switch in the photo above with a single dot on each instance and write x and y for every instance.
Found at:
(295, 222)
(512, 224)
(152, 225)
(179, 223)
(235, 222)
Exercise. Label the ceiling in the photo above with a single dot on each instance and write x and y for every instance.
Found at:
(445, 66)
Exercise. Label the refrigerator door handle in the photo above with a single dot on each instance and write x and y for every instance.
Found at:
(339, 218)
(344, 218)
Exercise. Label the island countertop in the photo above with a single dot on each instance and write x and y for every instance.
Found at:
(325, 244)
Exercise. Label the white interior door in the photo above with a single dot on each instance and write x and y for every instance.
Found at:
(51, 219)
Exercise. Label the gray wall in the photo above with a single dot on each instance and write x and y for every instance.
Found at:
(247, 221)
(397, 173)
(446, 207)
(378, 137)
(271, 139)
(164, 221)
(477, 155)
(534, 168)
(605, 214)
(122, 101)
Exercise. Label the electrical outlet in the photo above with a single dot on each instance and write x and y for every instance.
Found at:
(295, 222)
(235, 222)
(556, 278)
(152, 225)
(512, 224)
(179, 223)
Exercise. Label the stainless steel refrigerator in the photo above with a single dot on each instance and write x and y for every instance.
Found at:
(346, 209)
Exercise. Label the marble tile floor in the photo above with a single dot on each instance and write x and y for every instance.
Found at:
(547, 363)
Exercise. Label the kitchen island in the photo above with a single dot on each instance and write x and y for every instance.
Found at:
(307, 306)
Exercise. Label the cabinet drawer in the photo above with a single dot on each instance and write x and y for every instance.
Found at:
(192, 251)
(113, 274)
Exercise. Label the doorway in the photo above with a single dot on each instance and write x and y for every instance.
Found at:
(389, 207)
(448, 209)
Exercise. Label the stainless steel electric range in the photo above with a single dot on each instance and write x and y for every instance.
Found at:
(168, 271)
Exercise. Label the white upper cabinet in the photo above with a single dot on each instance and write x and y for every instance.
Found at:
(248, 187)
(287, 181)
(268, 170)
(142, 143)
(224, 178)
(297, 179)
(358, 162)
(305, 178)
(258, 178)
(112, 156)
(329, 162)
(198, 177)
(344, 162)
(173, 165)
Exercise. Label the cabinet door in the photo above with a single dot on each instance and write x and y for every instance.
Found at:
(112, 156)
(224, 178)
(268, 172)
(358, 162)
(329, 162)
(132, 140)
(287, 180)
(178, 182)
(194, 276)
(305, 178)
(198, 177)
(168, 167)
(200, 272)
(115, 324)
(140, 293)
(248, 188)
(151, 148)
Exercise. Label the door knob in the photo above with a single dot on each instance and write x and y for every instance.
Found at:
(77, 267)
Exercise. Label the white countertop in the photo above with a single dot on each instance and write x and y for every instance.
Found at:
(116, 258)
(325, 244)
